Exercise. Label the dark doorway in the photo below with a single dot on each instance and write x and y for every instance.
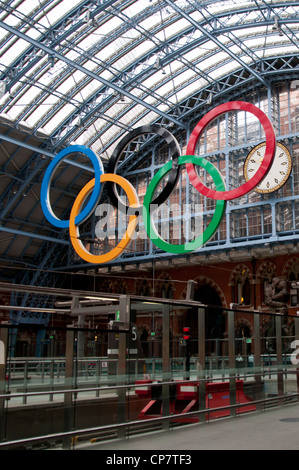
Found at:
(214, 319)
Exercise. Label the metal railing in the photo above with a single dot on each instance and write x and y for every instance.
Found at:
(52, 370)
(68, 438)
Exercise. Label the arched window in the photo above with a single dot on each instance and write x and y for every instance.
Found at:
(241, 285)
(164, 287)
(105, 285)
(120, 287)
(143, 287)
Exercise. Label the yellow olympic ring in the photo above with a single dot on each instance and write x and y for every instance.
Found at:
(124, 242)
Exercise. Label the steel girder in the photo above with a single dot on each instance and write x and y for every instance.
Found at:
(212, 28)
(73, 133)
(258, 71)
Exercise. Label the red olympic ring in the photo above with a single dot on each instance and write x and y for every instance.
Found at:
(265, 165)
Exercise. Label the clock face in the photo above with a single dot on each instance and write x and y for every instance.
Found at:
(279, 171)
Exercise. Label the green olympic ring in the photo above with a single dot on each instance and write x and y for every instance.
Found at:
(216, 219)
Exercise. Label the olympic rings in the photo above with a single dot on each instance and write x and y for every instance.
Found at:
(45, 187)
(265, 165)
(74, 233)
(175, 169)
(212, 227)
(90, 194)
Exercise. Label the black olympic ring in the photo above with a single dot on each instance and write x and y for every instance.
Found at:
(173, 174)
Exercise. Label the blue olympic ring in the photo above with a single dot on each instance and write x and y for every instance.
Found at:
(45, 187)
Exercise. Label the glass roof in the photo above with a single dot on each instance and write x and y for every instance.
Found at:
(88, 71)
(85, 72)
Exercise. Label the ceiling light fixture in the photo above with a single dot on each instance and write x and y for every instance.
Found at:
(158, 63)
(277, 27)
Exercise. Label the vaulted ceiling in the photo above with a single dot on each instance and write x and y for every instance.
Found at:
(88, 72)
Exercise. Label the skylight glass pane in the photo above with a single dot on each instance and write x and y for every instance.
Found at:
(169, 31)
(123, 40)
(59, 118)
(43, 110)
(15, 50)
(28, 7)
(54, 14)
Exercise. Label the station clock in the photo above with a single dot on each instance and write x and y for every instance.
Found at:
(278, 173)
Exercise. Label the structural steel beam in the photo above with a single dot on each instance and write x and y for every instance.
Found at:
(42, 151)
(120, 90)
(216, 41)
(33, 235)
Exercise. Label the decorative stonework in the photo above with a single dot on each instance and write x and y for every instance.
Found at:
(242, 321)
(164, 286)
(291, 266)
(202, 281)
(143, 287)
(266, 272)
(239, 274)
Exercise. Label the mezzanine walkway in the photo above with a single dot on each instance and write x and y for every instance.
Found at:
(274, 429)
